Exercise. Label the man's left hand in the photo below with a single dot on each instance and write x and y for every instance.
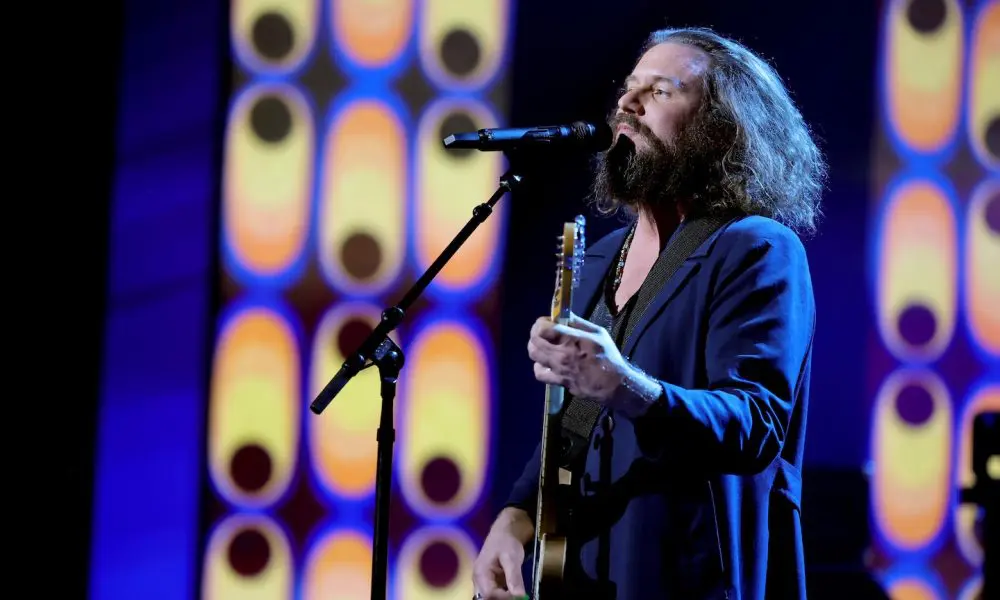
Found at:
(579, 356)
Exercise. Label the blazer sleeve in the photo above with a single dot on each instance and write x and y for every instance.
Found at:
(759, 339)
(524, 494)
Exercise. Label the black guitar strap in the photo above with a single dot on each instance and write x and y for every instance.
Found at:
(581, 414)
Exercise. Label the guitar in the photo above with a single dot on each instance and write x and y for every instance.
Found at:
(554, 482)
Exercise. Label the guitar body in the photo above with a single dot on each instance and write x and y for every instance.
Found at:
(554, 482)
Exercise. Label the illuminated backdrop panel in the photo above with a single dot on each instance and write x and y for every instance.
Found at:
(337, 195)
(934, 251)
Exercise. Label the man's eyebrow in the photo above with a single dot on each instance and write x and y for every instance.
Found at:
(632, 79)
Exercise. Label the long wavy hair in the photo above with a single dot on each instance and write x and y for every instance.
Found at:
(762, 158)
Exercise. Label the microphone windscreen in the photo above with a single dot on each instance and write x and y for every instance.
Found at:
(598, 135)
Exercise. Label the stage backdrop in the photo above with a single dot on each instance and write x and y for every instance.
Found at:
(935, 287)
(332, 152)
(337, 194)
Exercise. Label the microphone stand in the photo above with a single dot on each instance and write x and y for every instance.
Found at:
(382, 352)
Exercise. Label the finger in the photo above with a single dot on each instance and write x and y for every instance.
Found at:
(498, 594)
(545, 352)
(535, 353)
(539, 324)
(484, 582)
(571, 334)
(547, 375)
(512, 573)
(578, 322)
(554, 333)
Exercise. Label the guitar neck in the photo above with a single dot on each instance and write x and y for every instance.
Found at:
(550, 540)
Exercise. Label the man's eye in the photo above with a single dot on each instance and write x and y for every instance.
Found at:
(661, 92)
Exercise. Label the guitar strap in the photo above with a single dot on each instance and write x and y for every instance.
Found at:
(581, 414)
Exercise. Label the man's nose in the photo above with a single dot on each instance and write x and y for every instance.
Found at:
(630, 102)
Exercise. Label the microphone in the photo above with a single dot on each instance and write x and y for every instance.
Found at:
(579, 135)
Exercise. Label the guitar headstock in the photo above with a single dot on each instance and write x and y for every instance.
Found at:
(572, 245)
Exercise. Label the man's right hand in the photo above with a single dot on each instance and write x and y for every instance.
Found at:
(496, 573)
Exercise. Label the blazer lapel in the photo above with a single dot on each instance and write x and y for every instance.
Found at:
(669, 291)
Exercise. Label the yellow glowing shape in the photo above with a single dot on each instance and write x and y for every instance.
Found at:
(372, 32)
(255, 399)
(487, 22)
(449, 392)
(917, 266)
(364, 192)
(411, 583)
(221, 582)
(984, 80)
(912, 588)
(986, 400)
(912, 463)
(301, 16)
(342, 443)
(982, 274)
(338, 567)
(449, 187)
(924, 77)
(268, 184)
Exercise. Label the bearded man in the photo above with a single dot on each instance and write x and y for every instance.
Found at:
(690, 480)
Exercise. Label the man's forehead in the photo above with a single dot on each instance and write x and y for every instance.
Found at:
(678, 63)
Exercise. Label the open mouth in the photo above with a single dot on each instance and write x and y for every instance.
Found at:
(625, 129)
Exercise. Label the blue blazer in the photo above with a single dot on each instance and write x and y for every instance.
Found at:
(700, 497)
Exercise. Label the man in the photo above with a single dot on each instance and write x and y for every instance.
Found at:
(690, 483)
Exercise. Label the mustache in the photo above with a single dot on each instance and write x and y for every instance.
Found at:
(632, 121)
